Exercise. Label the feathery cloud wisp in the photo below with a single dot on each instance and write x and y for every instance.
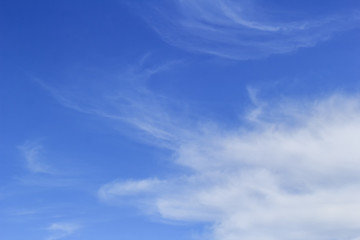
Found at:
(125, 100)
(32, 153)
(62, 230)
(240, 29)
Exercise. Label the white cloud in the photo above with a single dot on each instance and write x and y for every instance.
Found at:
(125, 99)
(240, 29)
(32, 152)
(293, 175)
(62, 230)
(128, 188)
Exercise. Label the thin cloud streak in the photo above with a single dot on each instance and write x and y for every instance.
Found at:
(127, 101)
(62, 230)
(239, 30)
(42, 171)
(128, 187)
(32, 152)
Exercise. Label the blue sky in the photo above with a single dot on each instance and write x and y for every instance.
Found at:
(169, 119)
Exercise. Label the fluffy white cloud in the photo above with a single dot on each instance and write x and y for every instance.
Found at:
(293, 174)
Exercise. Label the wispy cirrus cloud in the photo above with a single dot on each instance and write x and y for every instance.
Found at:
(129, 187)
(42, 171)
(62, 230)
(32, 152)
(240, 30)
(125, 99)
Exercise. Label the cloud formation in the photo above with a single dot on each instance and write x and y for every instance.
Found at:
(290, 172)
(62, 230)
(240, 30)
(32, 152)
(126, 99)
(294, 174)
